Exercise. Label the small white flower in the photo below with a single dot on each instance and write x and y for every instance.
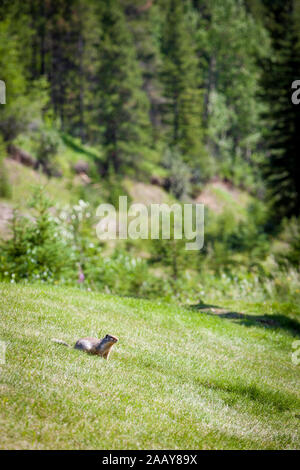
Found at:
(82, 203)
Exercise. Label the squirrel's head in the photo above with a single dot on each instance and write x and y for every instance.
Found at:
(110, 339)
(106, 344)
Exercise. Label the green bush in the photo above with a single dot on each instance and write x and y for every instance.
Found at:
(291, 238)
(47, 143)
(119, 273)
(178, 181)
(37, 250)
(232, 243)
(5, 189)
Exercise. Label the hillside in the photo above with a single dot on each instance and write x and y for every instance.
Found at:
(149, 189)
(178, 378)
(216, 195)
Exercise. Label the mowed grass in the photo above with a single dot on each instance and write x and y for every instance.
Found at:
(179, 378)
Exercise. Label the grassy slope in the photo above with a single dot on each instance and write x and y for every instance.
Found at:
(67, 188)
(23, 181)
(178, 378)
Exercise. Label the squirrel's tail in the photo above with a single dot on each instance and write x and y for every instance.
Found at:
(59, 341)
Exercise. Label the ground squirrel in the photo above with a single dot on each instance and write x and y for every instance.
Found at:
(101, 347)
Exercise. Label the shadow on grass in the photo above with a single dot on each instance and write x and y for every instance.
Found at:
(268, 398)
(230, 392)
(80, 149)
(276, 321)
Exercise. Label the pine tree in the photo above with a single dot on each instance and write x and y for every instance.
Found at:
(180, 75)
(63, 34)
(145, 21)
(24, 98)
(85, 31)
(229, 42)
(282, 169)
(123, 105)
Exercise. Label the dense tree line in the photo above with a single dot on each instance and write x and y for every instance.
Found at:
(140, 78)
(281, 69)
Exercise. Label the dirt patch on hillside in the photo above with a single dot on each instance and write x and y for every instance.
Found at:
(16, 172)
(6, 213)
(209, 198)
(147, 193)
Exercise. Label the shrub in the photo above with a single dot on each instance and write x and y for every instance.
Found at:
(178, 181)
(5, 189)
(37, 249)
(119, 273)
(47, 144)
(230, 243)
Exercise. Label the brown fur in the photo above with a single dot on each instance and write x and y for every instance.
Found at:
(100, 347)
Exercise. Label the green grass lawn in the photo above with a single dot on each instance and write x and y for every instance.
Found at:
(179, 378)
